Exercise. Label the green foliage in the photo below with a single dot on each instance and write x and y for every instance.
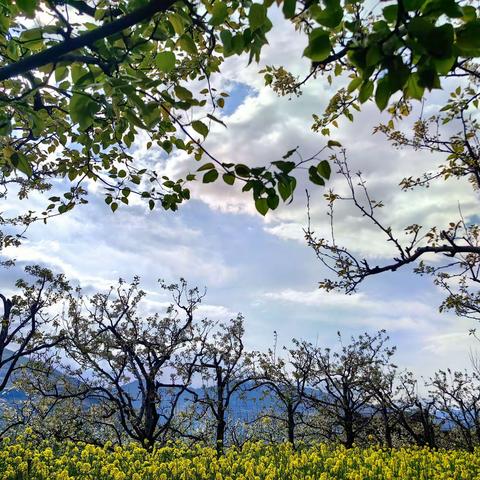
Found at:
(75, 113)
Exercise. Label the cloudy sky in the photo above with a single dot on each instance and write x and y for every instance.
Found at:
(262, 266)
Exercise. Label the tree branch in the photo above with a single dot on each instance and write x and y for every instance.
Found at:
(51, 55)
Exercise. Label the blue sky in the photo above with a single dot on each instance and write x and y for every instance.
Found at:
(262, 266)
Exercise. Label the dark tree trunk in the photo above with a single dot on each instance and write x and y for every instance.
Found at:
(291, 424)
(220, 434)
(151, 414)
(387, 429)
(221, 424)
(349, 430)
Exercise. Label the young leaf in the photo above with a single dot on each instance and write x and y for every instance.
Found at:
(228, 178)
(20, 162)
(27, 6)
(206, 166)
(366, 91)
(200, 127)
(242, 170)
(382, 94)
(219, 13)
(261, 205)
(210, 176)
(186, 43)
(289, 8)
(183, 93)
(324, 169)
(319, 45)
(257, 16)
(285, 190)
(165, 61)
(273, 201)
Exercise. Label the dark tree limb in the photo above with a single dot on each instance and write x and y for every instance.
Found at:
(53, 54)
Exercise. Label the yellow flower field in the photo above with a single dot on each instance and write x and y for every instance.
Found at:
(252, 462)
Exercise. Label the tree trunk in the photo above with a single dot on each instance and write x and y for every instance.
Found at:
(221, 424)
(349, 431)
(151, 414)
(387, 429)
(220, 433)
(291, 424)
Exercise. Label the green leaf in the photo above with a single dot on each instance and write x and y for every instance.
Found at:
(5, 126)
(261, 205)
(273, 201)
(215, 119)
(444, 65)
(383, 93)
(333, 143)
(285, 190)
(219, 13)
(183, 93)
(413, 88)
(354, 84)
(238, 43)
(451, 8)
(374, 55)
(468, 36)
(27, 6)
(319, 45)
(439, 41)
(284, 167)
(228, 178)
(428, 78)
(61, 72)
(200, 127)
(398, 73)
(32, 39)
(80, 74)
(21, 163)
(206, 166)
(165, 61)
(315, 177)
(289, 153)
(469, 13)
(366, 91)
(329, 17)
(82, 110)
(324, 169)
(226, 37)
(177, 23)
(210, 176)
(390, 13)
(257, 16)
(114, 206)
(289, 8)
(411, 5)
(242, 170)
(186, 43)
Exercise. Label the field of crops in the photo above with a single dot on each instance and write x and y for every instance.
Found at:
(252, 462)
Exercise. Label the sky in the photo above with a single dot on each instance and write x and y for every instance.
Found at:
(261, 266)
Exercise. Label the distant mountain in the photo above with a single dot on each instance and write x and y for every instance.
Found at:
(11, 394)
(245, 404)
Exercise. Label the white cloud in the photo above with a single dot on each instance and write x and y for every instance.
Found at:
(95, 247)
(362, 309)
